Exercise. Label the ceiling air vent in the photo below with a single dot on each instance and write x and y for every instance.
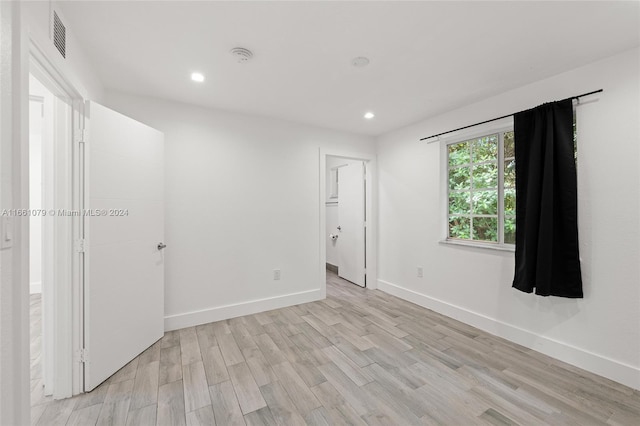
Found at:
(59, 35)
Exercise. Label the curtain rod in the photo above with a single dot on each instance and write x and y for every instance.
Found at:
(500, 118)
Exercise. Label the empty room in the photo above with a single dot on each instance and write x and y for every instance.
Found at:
(319, 213)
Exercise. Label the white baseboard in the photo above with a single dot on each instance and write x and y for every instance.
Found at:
(35, 287)
(622, 373)
(218, 313)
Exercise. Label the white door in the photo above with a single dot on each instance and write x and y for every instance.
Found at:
(351, 219)
(124, 266)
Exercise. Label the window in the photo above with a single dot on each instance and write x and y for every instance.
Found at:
(481, 189)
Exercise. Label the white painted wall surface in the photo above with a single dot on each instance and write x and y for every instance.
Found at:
(41, 132)
(35, 195)
(600, 333)
(14, 365)
(241, 201)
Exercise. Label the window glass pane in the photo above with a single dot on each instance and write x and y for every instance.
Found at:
(485, 202)
(485, 228)
(509, 145)
(459, 178)
(509, 230)
(459, 203)
(510, 173)
(485, 149)
(474, 169)
(459, 227)
(485, 176)
(509, 201)
(459, 153)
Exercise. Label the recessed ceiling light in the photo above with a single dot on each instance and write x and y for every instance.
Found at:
(360, 62)
(369, 115)
(196, 76)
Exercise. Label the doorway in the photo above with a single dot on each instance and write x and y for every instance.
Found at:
(41, 283)
(101, 225)
(55, 110)
(347, 218)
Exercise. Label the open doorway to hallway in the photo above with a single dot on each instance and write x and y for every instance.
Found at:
(54, 272)
(41, 239)
(346, 219)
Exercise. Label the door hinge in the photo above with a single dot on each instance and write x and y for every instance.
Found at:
(80, 136)
(80, 246)
(82, 355)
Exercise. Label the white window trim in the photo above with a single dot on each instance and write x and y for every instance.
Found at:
(499, 127)
(479, 244)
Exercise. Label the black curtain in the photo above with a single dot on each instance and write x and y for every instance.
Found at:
(547, 257)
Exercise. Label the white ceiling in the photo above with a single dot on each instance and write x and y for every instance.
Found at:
(426, 57)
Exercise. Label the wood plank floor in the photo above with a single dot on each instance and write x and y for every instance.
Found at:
(358, 357)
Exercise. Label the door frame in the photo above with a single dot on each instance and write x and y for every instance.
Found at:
(371, 232)
(67, 260)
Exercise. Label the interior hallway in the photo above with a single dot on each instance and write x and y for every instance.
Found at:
(359, 357)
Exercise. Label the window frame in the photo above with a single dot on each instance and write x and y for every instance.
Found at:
(498, 129)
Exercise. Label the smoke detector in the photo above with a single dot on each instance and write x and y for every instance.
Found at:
(241, 54)
(360, 62)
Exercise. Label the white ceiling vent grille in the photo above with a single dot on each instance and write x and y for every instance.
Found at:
(59, 35)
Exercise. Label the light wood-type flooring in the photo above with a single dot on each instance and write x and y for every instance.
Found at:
(359, 357)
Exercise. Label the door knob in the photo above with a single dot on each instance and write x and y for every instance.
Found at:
(161, 246)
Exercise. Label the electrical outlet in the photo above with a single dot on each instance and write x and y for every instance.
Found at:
(420, 272)
(276, 274)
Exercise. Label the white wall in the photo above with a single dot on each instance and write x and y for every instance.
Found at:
(35, 195)
(41, 130)
(241, 200)
(601, 332)
(13, 367)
